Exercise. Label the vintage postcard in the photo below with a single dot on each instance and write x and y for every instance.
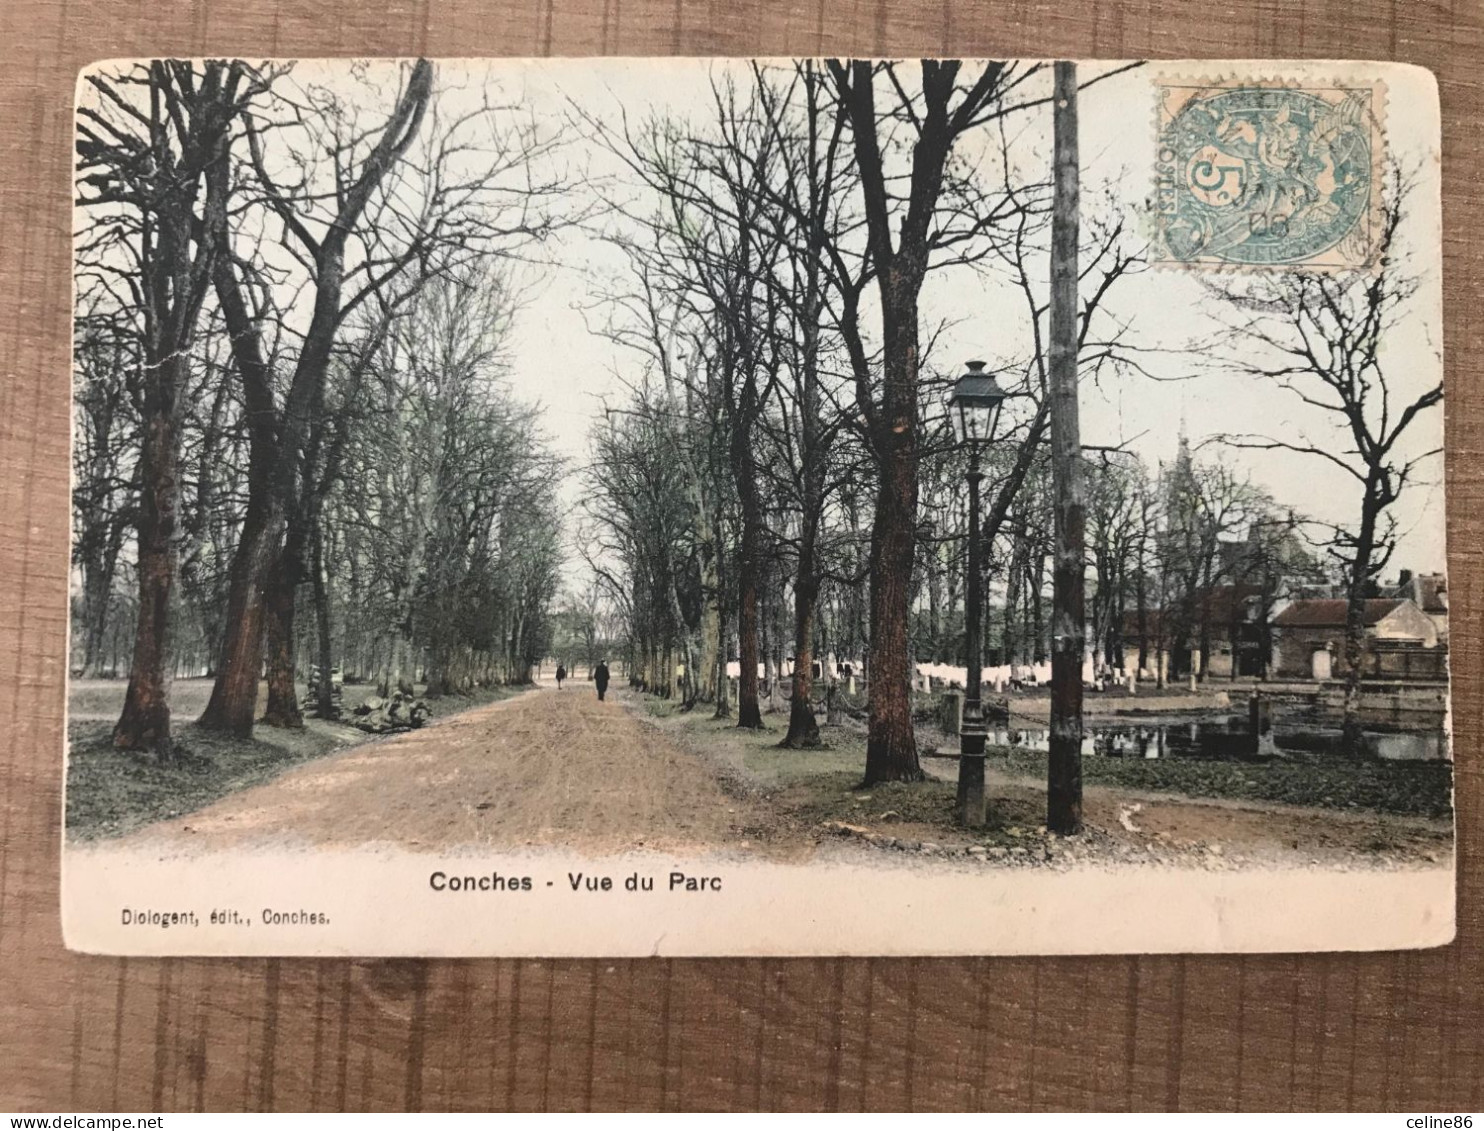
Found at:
(626, 507)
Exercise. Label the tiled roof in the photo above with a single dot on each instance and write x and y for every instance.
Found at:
(1331, 613)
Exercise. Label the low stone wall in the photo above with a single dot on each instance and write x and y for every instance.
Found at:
(1098, 707)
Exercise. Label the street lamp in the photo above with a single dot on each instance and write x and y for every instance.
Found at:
(975, 406)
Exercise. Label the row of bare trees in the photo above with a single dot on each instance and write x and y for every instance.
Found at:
(294, 285)
(293, 297)
(781, 446)
(782, 423)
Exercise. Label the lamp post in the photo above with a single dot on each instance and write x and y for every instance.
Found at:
(974, 407)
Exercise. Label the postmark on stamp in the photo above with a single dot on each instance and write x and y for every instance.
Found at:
(1268, 174)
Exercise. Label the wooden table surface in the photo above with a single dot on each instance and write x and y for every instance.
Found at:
(1372, 1031)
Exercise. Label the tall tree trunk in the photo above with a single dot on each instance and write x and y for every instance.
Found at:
(278, 613)
(891, 745)
(1141, 613)
(324, 648)
(749, 713)
(278, 439)
(1205, 621)
(98, 600)
(1360, 573)
(145, 721)
(711, 600)
(723, 684)
(175, 260)
(931, 582)
(776, 629)
(687, 656)
(765, 640)
(234, 696)
(1064, 775)
(1014, 581)
(803, 727)
(1036, 607)
(710, 644)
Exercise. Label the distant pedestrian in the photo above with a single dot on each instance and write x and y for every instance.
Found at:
(600, 677)
(561, 675)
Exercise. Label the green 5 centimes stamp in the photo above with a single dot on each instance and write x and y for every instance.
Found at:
(1254, 175)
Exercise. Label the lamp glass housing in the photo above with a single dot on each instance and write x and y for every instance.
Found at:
(975, 404)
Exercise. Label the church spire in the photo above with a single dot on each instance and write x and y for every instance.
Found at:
(1184, 465)
(1181, 493)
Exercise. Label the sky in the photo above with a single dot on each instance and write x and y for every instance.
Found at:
(559, 358)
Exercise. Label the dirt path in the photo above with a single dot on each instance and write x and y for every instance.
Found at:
(547, 767)
(558, 768)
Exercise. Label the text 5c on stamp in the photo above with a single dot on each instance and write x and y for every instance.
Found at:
(1253, 175)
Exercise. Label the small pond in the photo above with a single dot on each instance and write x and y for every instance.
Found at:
(1229, 738)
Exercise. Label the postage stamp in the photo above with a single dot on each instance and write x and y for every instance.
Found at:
(1268, 175)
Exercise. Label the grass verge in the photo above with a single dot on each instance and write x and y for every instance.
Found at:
(807, 789)
(111, 792)
(1407, 788)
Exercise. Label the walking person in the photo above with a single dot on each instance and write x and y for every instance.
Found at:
(600, 677)
(561, 675)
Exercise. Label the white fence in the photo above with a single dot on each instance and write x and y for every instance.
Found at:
(999, 677)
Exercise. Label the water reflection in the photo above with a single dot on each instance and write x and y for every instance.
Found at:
(1229, 739)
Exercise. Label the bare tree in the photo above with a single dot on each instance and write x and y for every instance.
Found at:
(808, 215)
(435, 522)
(153, 152)
(1115, 495)
(105, 463)
(643, 520)
(1319, 337)
(367, 218)
(903, 231)
(278, 438)
(710, 248)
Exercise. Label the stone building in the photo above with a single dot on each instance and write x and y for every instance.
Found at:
(1430, 593)
(1221, 633)
(1401, 641)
